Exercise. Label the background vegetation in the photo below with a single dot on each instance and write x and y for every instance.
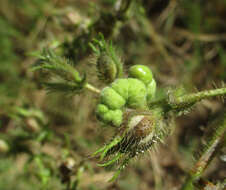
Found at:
(182, 41)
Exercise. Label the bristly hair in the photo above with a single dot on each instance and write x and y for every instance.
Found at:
(65, 78)
(108, 62)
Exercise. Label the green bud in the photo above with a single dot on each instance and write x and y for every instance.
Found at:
(107, 69)
(151, 89)
(112, 99)
(101, 109)
(141, 72)
(113, 116)
(121, 86)
(137, 94)
(130, 92)
(109, 116)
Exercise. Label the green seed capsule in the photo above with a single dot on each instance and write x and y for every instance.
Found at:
(130, 92)
(151, 89)
(121, 86)
(139, 131)
(102, 109)
(142, 73)
(133, 92)
(124, 93)
(109, 116)
(113, 116)
(137, 94)
(112, 99)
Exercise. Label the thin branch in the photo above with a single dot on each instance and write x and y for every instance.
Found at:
(200, 37)
(190, 99)
(92, 88)
(173, 102)
(213, 139)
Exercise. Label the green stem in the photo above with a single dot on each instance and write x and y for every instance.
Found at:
(217, 133)
(92, 88)
(173, 102)
(195, 97)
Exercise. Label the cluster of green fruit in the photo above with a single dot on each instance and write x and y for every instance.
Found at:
(133, 92)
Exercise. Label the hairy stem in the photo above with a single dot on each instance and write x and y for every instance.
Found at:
(174, 102)
(217, 134)
(195, 97)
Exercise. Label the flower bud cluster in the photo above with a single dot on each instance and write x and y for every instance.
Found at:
(132, 92)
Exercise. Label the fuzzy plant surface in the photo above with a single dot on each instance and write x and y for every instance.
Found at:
(127, 102)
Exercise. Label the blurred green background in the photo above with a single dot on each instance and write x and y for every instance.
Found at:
(184, 43)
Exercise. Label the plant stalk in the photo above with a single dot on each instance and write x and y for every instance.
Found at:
(92, 88)
(195, 97)
(212, 146)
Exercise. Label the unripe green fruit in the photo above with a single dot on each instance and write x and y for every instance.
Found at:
(109, 116)
(131, 92)
(121, 87)
(128, 92)
(113, 116)
(111, 98)
(141, 72)
(151, 89)
(101, 109)
(137, 94)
